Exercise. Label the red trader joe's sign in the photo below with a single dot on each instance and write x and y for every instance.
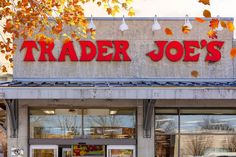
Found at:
(98, 51)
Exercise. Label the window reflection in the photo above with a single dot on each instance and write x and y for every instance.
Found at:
(55, 123)
(208, 123)
(97, 123)
(208, 145)
(166, 124)
(107, 123)
(203, 133)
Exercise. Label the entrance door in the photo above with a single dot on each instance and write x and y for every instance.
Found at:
(120, 151)
(66, 152)
(43, 151)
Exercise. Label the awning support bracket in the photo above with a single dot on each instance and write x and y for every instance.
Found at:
(12, 107)
(148, 108)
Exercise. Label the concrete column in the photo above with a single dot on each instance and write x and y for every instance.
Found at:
(145, 145)
(22, 140)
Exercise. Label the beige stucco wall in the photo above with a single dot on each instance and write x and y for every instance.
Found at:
(141, 39)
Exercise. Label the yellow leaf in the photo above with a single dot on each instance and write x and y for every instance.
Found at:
(230, 26)
(212, 34)
(131, 12)
(129, 1)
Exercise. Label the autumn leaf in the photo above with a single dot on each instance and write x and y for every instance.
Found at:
(194, 73)
(131, 12)
(3, 69)
(185, 29)
(124, 5)
(168, 31)
(7, 57)
(109, 11)
(99, 3)
(233, 53)
(230, 26)
(207, 13)
(66, 40)
(212, 34)
(214, 23)
(200, 20)
(206, 2)
(223, 24)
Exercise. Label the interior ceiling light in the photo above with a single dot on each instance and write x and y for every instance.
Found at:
(187, 22)
(49, 111)
(219, 28)
(123, 26)
(156, 26)
(91, 24)
(112, 112)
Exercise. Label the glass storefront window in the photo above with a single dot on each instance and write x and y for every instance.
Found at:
(55, 123)
(109, 123)
(202, 132)
(82, 123)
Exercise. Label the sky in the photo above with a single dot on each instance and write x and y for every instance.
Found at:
(172, 8)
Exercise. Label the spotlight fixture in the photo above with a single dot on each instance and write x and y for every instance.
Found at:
(91, 24)
(219, 28)
(187, 22)
(156, 26)
(123, 26)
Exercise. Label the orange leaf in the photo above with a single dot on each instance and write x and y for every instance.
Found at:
(7, 57)
(194, 73)
(99, 3)
(230, 26)
(207, 13)
(223, 24)
(212, 34)
(66, 40)
(10, 60)
(185, 29)
(168, 31)
(206, 2)
(200, 20)
(109, 11)
(214, 23)
(233, 53)
(4, 69)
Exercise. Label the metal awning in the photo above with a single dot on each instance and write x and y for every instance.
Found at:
(118, 90)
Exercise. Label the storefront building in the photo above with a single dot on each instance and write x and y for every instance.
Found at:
(136, 93)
